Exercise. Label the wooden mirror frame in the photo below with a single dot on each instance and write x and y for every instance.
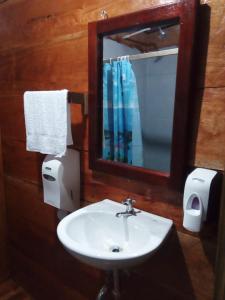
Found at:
(185, 11)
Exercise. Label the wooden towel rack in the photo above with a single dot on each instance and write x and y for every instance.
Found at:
(79, 98)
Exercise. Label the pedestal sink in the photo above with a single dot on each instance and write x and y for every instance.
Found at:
(95, 235)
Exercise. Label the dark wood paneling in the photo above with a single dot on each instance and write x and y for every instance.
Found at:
(210, 146)
(9, 290)
(25, 201)
(181, 260)
(215, 63)
(40, 282)
(219, 292)
(44, 46)
(50, 63)
(12, 117)
(41, 22)
(4, 271)
(20, 163)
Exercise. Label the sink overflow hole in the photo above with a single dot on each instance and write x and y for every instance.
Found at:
(115, 249)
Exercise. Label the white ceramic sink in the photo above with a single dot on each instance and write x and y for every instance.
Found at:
(92, 233)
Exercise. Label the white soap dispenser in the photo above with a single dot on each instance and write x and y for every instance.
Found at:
(196, 198)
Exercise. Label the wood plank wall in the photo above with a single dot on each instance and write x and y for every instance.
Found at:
(10, 290)
(4, 271)
(44, 46)
(219, 290)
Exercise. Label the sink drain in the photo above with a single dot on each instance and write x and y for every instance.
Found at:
(115, 249)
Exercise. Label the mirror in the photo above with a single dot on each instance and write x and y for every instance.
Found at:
(139, 84)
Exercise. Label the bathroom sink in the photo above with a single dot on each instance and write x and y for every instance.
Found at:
(95, 236)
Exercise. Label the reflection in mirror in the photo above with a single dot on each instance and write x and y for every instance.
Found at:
(139, 83)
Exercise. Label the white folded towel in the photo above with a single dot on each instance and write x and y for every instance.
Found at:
(48, 122)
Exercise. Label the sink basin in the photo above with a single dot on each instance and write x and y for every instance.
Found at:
(95, 236)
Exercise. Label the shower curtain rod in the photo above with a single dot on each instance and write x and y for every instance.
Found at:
(146, 55)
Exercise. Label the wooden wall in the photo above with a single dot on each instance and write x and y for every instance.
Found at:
(3, 253)
(44, 46)
(219, 290)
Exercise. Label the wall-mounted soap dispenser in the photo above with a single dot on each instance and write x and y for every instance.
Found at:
(197, 195)
(61, 180)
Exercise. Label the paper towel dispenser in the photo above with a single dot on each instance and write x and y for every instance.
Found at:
(61, 180)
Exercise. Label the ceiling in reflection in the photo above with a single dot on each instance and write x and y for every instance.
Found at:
(151, 38)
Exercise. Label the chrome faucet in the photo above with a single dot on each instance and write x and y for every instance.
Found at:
(129, 209)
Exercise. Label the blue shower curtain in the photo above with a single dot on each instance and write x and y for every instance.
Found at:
(122, 139)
